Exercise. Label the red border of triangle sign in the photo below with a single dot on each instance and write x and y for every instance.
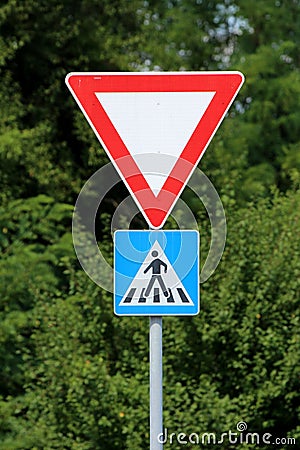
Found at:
(90, 88)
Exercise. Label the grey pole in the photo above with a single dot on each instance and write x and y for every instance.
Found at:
(156, 397)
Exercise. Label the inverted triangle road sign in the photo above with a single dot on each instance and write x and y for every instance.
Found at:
(155, 127)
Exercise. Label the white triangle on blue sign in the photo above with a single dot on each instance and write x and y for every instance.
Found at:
(155, 123)
(172, 294)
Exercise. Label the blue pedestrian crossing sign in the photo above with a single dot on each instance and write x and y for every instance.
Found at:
(156, 273)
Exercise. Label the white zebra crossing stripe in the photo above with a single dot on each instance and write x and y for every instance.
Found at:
(175, 297)
(159, 118)
(177, 294)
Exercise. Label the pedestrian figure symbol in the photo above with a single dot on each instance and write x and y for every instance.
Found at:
(156, 282)
(155, 266)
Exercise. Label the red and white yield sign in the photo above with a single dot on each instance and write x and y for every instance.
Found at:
(155, 127)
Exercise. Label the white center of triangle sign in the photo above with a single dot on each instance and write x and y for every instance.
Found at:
(155, 127)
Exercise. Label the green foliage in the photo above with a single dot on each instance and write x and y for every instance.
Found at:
(263, 139)
(87, 372)
(74, 376)
(33, 242)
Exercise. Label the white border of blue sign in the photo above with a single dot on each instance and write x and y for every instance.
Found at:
(181, 248)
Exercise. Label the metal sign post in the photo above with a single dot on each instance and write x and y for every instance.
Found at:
(156, 390)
